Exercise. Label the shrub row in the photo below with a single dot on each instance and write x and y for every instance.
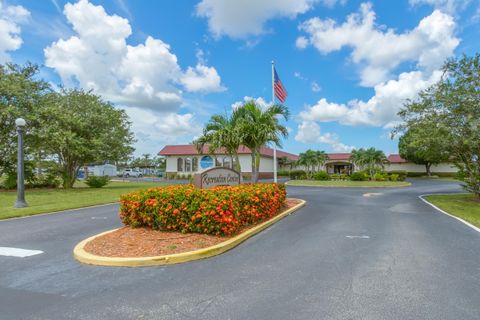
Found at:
(355, 176)
(217, 211)
(32, 182)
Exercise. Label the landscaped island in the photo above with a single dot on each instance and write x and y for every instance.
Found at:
(176, 219)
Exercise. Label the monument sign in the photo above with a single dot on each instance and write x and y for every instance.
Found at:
(216, 177)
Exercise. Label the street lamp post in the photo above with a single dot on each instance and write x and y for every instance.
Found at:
(20, 203)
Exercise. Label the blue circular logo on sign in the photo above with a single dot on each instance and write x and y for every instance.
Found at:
(206, 162)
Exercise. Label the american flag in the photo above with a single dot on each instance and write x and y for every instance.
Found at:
(280, 91)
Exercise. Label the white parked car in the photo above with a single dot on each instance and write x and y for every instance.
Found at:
(132, 173)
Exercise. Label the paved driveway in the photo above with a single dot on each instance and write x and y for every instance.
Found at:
(343, 256)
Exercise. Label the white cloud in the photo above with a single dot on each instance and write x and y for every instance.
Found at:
(10, 19)
(240, 19)
(301, 42)
(98, 57)
(309, 132)
(378, 51)
(380, 110)
(153, 130)
(315, 87)
(202, 79)
(259, 101)
(450, 6)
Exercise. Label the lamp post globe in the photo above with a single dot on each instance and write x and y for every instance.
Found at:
(20, 203)
(20, 122)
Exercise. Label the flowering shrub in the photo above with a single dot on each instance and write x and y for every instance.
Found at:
(218, 211)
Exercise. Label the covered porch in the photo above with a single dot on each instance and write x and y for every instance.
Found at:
(339, 167)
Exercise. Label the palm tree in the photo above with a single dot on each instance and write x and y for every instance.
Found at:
(321, 158)
(221, 132)
(370, 158)
(257, 128)
(308, 159)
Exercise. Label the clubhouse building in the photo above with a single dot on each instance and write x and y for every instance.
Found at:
(185, 160)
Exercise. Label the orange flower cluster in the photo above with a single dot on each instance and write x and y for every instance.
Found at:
(217, 211)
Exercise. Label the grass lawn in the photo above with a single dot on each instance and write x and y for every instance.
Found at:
(348, 183)
(464, 206)
(42, 201)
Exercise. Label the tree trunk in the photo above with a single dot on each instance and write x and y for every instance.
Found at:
(427, 168)
(69, 175)
(253, 167)
(237, 165)
(257, 165)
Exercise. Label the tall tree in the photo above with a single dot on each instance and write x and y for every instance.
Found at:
(452, 107)
(78, 127)
(21, 95)
(424, 146)
(257, 128)
(322, 158)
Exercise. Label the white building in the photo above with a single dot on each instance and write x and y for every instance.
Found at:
(340, 163)
(103, 170)
(184, 160)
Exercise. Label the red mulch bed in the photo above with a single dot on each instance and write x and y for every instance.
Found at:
(142, 242)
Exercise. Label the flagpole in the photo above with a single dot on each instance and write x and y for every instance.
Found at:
(274, 145)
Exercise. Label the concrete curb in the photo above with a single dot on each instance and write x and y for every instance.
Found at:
(444, 212)
(374, 187)
(81, 255)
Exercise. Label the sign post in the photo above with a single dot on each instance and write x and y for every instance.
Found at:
(216, 177)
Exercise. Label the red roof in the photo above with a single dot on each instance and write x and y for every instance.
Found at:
(339, 156)
(395, 158)
(190, 149)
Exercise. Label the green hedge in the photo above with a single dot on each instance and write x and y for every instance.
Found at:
(97, 182)
(359, 176)
(298, 175)
(321, 175)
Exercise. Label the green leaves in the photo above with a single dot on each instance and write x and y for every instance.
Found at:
(370, 159)
(249, 126)
(21, 95)
(80, 128)
(310, 158)
(445, 119)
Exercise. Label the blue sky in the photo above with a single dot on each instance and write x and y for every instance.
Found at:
(347, 65)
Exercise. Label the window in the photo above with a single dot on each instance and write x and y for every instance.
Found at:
(188, 164)
(195, 164)
(227, 162)
(218, 163)
(179, 164)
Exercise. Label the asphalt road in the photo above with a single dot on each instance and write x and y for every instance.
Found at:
(342, 256)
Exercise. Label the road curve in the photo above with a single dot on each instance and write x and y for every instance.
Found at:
(342, 256)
